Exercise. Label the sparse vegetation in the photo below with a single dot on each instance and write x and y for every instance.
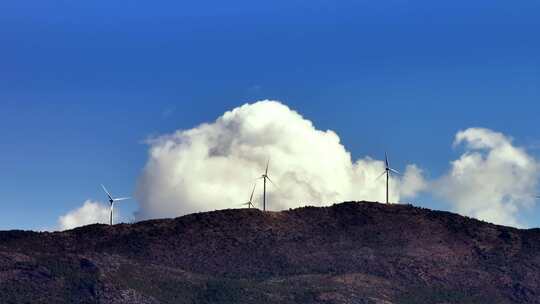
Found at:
(347, 253)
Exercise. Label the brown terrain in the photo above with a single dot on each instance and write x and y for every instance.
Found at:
(355, 252)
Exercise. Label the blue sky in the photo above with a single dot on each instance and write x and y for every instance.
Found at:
(83, 85)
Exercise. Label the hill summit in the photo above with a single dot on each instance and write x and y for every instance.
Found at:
(354, 252)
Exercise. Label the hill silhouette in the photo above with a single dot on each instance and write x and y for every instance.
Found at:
(354, 252)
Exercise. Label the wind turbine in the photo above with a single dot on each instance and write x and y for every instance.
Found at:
(250, 202)
(387, 171)
(266, 177)
(112, 201)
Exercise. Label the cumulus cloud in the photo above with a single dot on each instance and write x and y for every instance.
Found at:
(214, 166)
(493, 180)
(89, 213)
(413, 182)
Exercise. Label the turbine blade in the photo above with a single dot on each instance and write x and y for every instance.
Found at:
(386, 160)
(252, 192)
(395, 171)
(121, 199)
(381, 175)
(107, 192)
(272, 182)
(267, 164)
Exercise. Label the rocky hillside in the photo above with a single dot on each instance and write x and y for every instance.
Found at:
(355, 252)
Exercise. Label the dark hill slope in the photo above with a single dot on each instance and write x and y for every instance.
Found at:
(348, 253)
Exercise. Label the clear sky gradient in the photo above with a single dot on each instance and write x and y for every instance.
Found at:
(82, 85)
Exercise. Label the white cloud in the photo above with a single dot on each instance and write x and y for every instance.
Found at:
(413, 182)
(214, 166)
(89, 213)
(493, 180)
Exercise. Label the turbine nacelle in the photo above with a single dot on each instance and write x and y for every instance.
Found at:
(249, 204)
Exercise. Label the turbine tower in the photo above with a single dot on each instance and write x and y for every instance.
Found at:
(266, 177)
(387, 171)
(250, 202)
(112, 201)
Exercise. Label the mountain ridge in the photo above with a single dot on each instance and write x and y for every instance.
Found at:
(353, 252)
